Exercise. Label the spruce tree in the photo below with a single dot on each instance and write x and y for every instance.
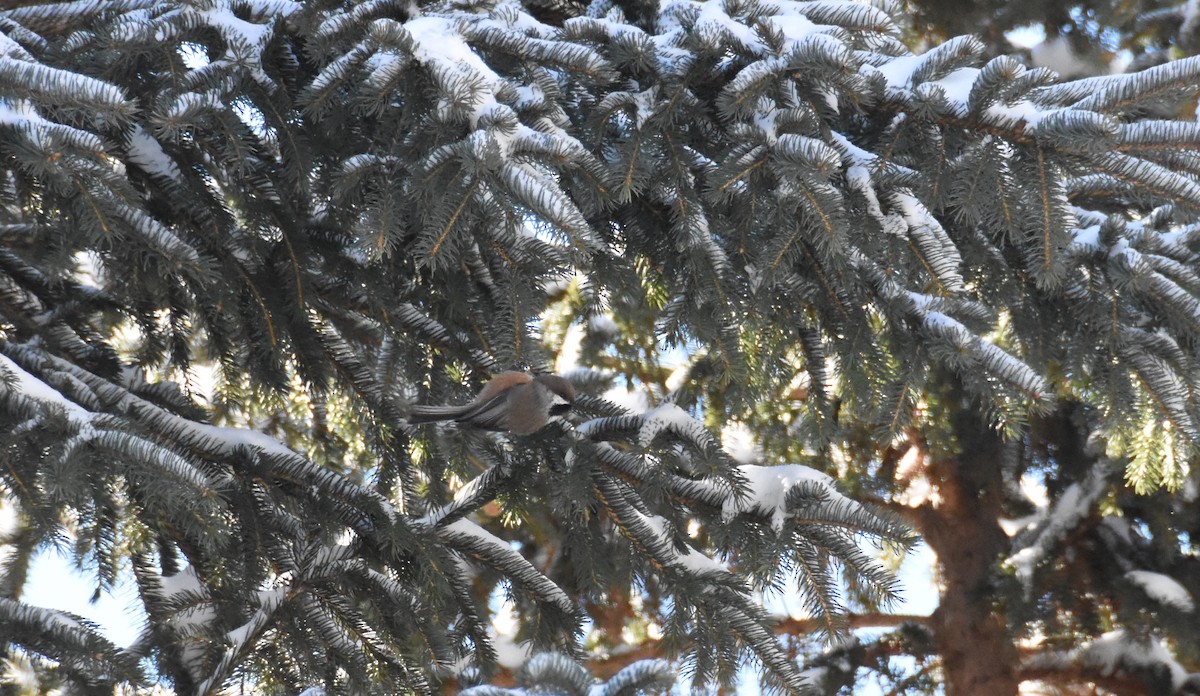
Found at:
(942, 276)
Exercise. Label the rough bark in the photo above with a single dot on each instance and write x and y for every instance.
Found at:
(961, 525)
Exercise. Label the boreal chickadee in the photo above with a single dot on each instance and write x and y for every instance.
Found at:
(518, 402)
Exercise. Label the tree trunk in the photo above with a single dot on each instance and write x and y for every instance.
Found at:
(961, 525)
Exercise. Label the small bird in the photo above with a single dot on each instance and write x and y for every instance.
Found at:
(518, 402)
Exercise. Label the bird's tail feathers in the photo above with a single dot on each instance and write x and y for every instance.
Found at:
(429, 414)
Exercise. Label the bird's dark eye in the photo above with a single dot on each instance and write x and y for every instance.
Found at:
(559, 409)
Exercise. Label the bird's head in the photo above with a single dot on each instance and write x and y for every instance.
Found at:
(563, 390)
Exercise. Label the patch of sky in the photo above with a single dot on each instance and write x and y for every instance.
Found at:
(55, 582)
